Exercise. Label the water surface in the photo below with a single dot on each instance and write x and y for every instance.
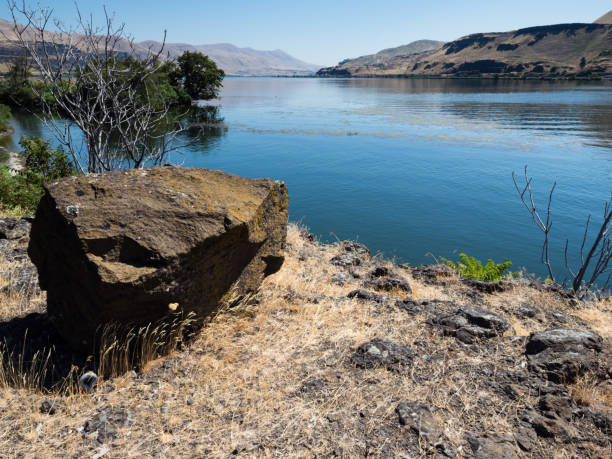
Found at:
(417, 167)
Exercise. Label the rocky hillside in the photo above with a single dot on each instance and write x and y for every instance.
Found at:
(605, 19)
(232, 59)
(381, 57)
(547, 51)
(339, 354)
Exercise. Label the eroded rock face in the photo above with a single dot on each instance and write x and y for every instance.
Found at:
(123, 246)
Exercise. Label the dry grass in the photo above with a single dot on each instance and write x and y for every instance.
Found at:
(272, 377)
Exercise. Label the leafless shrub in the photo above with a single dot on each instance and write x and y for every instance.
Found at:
(123, 119)
(599, 253)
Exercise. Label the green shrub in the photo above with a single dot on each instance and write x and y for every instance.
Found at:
(473, 268)
(5, 118)
(42, 164)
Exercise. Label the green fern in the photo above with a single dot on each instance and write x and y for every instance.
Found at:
(473, 268)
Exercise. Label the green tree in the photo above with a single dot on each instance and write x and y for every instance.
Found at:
(5, 117)
(198, 75)
(19, 72)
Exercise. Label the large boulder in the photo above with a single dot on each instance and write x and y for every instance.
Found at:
(129, 246)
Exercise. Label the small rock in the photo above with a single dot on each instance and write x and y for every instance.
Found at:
(346, 260)
(312, 384)
(88, 381)
(484, 287)
(47, 407)
(355, 247)
(560, 317)
(561, 339)
(525, 438)
(468, 324)
(433, 274)
(562, 355)
(340, 278)
(367, 296)
(104, 423)
(380, 271)
(410, 306)
(15, 228)
(418, 417)
(388, 283)
(487, 446)
(527, 312)
(382, 353)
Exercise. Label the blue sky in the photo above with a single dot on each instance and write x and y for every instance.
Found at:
(325, 32)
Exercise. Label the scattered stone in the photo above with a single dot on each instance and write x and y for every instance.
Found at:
(346, 260)
(433, 274)
(601, 419)
(469, 324)
(88, 381)
(560, 339)
(355, 247)
(562, 354)
(418, 417)
(380, 271)
(381, 353)
(487, 446)
(485, 287)
(15, 228)
(388, 283)
(527, 312)
(560, 317)
(312, 384)
(367, 296)
(340, 278)
(105, 423)
(525, 438)
(410, 306)
(143, 239)
(48, 407)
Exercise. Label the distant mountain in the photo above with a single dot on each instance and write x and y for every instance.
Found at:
(233, 60)
(605, 19)
(242, 61)
(545, 51)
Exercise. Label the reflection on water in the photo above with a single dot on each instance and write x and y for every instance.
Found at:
(411, 167)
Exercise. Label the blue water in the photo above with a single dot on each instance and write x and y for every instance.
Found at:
(417, 167)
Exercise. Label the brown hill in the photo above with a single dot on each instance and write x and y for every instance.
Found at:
(232, 59)
(605, 19)
(545, 51)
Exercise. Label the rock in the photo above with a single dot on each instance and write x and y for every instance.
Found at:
(88, 381)
(346, 260)
(418, 417)
(601, 419)
(340, 278)
(367, 296)
(433, 274)
(355, 247)
(122, 246)
(388, 283)
(15, 228)
(560, 339)
(486, 446)
(525, 438)
(562, 355)
(105, 422)
(380, 271)
(527, 312)
(381, 353)
(410, 306)
(312, 384)
(469, 324)
(484, 287)
(48, 407)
